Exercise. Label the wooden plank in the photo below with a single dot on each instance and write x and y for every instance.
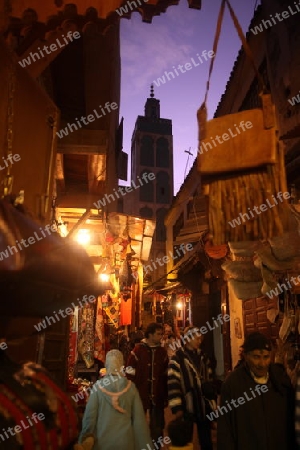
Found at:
(90, 140)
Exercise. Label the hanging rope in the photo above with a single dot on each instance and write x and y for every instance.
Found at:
(215, 47)
(246, 46)
(202, 111)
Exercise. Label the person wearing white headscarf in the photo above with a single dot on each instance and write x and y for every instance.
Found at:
(114, 417)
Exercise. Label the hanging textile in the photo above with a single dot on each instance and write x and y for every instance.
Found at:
(86, 335)
(125, 312)
(111, 309)
(99, 351)
(73, 351)
(34, 406)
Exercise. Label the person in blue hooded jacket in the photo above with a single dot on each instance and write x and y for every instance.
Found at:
(114, 417)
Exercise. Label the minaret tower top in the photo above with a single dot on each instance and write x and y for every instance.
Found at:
(151, 91)
(152, 106)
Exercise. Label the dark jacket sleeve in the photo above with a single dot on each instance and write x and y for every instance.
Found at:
(175, 394)
(132, 365)
(225, 422)
(164, 383)
(282, 383)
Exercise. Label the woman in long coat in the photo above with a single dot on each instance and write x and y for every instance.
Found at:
(114, 415)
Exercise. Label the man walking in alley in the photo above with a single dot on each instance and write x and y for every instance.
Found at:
(188, 369)
(149, 364)
(168, 340)
(257, 402)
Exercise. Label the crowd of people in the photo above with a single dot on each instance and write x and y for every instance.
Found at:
(256, 409)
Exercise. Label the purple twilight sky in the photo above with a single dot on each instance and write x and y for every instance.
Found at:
(173, 38)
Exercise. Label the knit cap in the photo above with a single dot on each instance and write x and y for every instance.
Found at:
(256, 341)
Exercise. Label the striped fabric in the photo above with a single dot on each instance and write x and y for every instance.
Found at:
(184, 384)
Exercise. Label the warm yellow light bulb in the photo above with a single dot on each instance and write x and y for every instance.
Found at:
(83, 237)
(104, 277)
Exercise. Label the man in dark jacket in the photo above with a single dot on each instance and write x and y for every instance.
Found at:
(188, 370)
(257, 402)
(149, 364)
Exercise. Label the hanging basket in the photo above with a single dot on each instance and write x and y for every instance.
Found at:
(246, 291)
(241, 271)
(241, 162)
(243, 176)
(264, 255)
(286, 246)
(243, 250)
(215, 251)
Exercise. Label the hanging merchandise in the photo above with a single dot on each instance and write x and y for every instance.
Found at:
(112, 312)
(246, 290)
(124, 273)
(6, 184)
(286, 246)
(270, 281)
(86, 335)
(241, 163)
(125, 311)
(272, 314)
(265, 254)
(99, 351)
(30, 401)
(254, 264)
(137, 296)
(241, 270)
(73, 350)
(244, 278)
(243, 250)
(215, 251)
(285, 328)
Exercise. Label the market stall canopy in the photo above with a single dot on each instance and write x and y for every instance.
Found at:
(39, 271)
(163, 291)
(148, 8)
(109, 237)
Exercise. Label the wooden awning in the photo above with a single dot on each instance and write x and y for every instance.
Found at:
(47, 8)
(39, 270)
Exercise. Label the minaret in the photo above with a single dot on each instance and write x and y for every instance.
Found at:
(152, 151)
